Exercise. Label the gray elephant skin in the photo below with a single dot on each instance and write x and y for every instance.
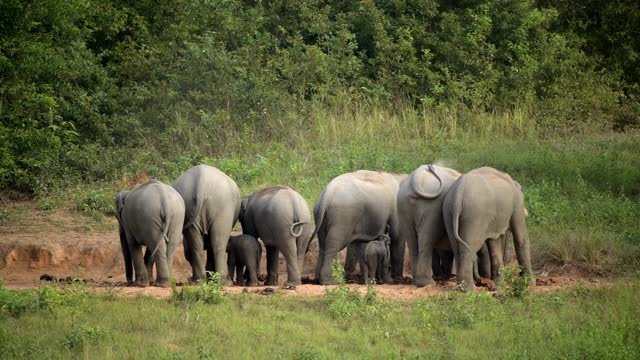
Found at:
(479, 208)
(373, 258)
(151, 215)
(419, 202)
(243, 258)
(212, 203)
(281, 218)
(357, 206)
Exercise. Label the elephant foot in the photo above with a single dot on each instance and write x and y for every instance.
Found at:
(271, 282)
(161, 283)
(141, 284)
(251, 284)
(464, 286)
(327, 282)
(422, 282)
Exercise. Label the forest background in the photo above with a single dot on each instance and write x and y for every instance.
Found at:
(297, 92)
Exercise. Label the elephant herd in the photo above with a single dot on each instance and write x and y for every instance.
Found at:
(441, 214)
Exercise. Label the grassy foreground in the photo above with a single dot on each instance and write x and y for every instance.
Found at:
(577, 323)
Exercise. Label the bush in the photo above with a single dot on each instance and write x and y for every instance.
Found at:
(210, 291)
(344, 301)
(47, 298)
(100, 201)
(512, 283)
(82, 335)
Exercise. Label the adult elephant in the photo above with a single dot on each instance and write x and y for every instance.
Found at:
(357, 206)
(212, 202)
(151, 214)
(479, 208)
(419, 203)
(281, 218)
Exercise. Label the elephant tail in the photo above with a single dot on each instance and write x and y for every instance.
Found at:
(424, 194)
(293, 226)
(319, 215)
(456, 213)
(165, 223)
(190, 216)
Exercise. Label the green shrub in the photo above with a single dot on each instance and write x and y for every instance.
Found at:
(100, 201)
(512, 283)
(82, 335)
(345, 301)
(210, 291)
(47, 298)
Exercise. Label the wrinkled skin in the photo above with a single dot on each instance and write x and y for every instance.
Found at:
(480, 207)
(419, 202)
(281, 218)
(243, 257)
(150, 215)
(357, 206)
(212, 203)
(373, 258)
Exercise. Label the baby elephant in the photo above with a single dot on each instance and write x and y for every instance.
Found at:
(373, 257)
(243, 256)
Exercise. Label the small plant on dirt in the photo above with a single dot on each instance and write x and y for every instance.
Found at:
(345, 301)
(80, 336)
(512, 283)
(16, 303)
(97, 202)
(210, 291)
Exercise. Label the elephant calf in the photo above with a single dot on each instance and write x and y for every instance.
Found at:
(243, 256)
(373, 257)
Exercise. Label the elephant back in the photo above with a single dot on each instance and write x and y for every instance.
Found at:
(206, 191)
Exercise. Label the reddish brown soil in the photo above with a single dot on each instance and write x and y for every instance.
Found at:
(65, 244)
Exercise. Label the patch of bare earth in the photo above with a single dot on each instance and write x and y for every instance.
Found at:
(65, 245)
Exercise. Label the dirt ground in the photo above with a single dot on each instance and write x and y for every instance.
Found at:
(64, 244)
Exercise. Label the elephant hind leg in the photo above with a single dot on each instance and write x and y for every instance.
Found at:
(162, 268)
(138, 263)
(218, 240)
(194, 244)
(291, 255)
(495, 253)
(273, 255)
(468, 257)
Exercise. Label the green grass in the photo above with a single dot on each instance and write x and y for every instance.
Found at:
(575, 323)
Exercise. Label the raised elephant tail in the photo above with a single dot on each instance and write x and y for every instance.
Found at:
(456, 212)
(422, 194)
(293, 226)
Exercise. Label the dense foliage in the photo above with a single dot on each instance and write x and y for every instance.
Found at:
(87, 81)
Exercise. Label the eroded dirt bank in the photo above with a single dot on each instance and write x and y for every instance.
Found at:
(60, 245)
